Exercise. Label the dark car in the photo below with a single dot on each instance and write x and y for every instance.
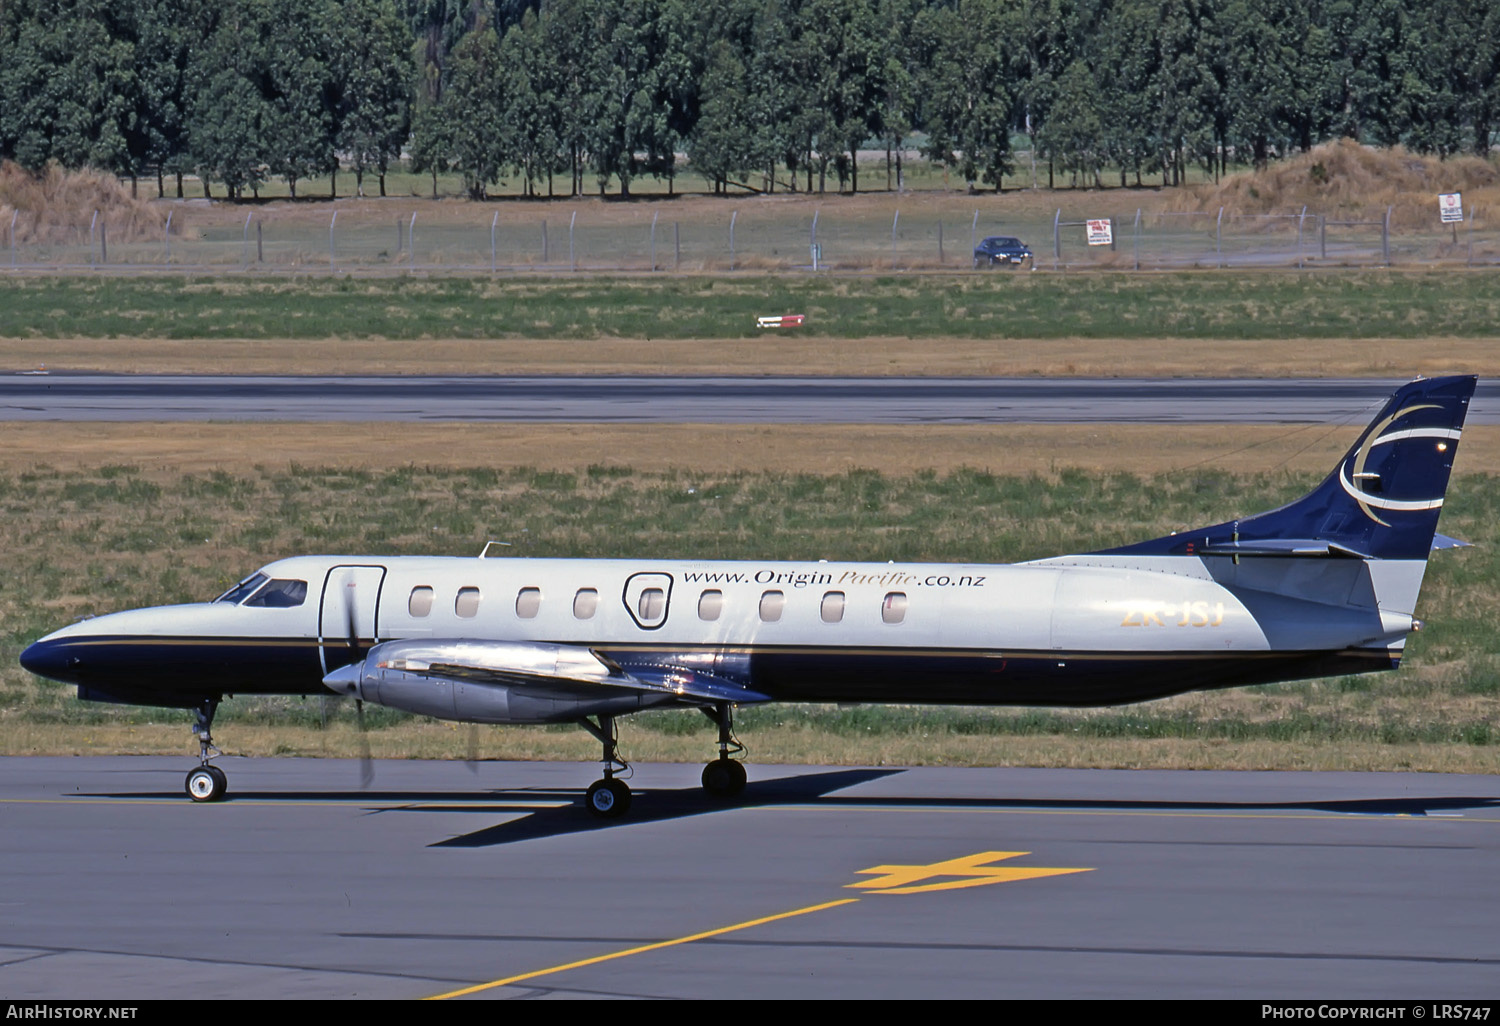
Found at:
(1001, 250)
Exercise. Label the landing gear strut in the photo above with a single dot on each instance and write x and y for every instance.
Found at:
(608, 798)
(724, 777)
(207, 783)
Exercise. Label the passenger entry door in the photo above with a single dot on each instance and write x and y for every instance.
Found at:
(348, 616)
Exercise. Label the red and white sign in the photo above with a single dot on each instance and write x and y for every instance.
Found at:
(1451, 206)
(1101, 233)
(780, 321)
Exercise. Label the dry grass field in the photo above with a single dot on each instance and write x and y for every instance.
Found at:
(1396, 359)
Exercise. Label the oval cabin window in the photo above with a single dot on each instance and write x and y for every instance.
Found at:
(528, 602)
(585, 603)
(420, 603)
(467, 603)
(893, 609)
(710, 604)
(771, 605)
(833, 607)
(652, 604)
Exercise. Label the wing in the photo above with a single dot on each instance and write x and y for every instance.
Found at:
(573, 679)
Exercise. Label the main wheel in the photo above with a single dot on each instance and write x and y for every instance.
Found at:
(608, 798)
(206, 784)
(724, 778)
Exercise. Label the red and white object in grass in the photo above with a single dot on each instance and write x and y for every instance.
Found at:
(780, 321)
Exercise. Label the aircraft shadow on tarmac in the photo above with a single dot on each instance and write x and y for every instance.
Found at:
(561, 811)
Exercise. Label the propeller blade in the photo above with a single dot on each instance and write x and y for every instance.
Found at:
(366, 763)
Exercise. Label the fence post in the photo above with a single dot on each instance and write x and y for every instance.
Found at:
(572, 261)
(411, 242)
(245, 244)
(894, 222)
(654, 215)
(1385, 237)
(260, 248)
(1300, 218)
(166, 237)
(104, 243)
(1057, 239)
(13, 215)
(332, 263)
(493, 221)
(733, 216)
(1322, 236)
(1137, 238)
(1219, 240)
(93, 221)
(974, 232)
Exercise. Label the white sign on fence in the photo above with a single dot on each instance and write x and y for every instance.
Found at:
(1101, 233)
(1451, 206)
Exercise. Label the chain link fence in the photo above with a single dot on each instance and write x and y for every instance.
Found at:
(553, 238)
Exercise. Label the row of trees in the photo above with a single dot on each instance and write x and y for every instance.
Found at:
(758, 93)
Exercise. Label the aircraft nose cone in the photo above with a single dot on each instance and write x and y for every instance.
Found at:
(51, 659)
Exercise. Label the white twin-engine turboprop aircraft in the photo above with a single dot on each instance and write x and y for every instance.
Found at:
(1325, 585)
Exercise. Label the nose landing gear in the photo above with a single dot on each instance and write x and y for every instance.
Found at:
(207, 783)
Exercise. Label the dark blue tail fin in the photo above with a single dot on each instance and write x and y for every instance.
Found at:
(1381, 502)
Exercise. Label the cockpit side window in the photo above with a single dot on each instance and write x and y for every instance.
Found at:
(243, 590)
(279, 595)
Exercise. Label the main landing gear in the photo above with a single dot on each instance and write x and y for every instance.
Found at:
(608, 798)
(207, 783)
(724, 777)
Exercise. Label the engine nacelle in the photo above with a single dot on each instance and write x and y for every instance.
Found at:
(491, 682)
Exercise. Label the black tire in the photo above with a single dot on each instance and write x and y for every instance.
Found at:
(206, 784)
(608, 799)
(724, 778)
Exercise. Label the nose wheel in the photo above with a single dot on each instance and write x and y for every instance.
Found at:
(207, 783)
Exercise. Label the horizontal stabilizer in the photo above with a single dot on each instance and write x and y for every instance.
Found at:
(1442, 541)
(1316, 547)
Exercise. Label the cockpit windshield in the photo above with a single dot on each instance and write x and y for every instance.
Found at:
(279, 595)
(255, 591)
(243, 590)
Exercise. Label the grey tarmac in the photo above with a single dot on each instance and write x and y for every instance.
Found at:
(686, 399)
(440, 878)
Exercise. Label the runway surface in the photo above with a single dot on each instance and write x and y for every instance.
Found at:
(988, 883)
(625, 399)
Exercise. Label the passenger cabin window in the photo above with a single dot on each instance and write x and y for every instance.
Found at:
(771, 605)
(243, 590)
(832, 609)
(710, 604)
(893, 609)
(528, 602)
(585, 603)
(652, 604)
(279, 595)
(420, 602)
(467, 603)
